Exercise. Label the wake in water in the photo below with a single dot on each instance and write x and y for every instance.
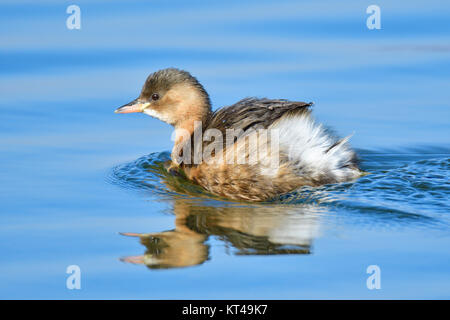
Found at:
(417, 177)
(407, 183)
(404, 188)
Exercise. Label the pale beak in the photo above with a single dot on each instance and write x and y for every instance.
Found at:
(133, 259)
(133, 106)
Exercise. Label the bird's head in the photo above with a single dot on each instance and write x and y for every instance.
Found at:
(173, 96)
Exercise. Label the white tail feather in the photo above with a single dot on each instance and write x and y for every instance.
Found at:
(313, 151)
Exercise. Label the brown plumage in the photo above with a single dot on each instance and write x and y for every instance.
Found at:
(253, 113)
(307, 154)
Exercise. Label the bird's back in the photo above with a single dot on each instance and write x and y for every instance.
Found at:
(254, 113)
(305, 153)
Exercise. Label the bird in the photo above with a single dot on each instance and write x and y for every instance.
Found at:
(254, 150)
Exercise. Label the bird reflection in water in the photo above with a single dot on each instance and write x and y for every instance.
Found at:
(249, 230)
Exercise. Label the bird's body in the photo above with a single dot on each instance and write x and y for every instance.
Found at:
(253, 150)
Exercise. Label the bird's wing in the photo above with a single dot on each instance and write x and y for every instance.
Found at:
(254, 113)
(245, 116)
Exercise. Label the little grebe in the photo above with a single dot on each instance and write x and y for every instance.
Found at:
(305, 153)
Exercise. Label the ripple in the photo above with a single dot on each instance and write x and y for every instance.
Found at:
(402, 190)
(402, 186)
(148, 173)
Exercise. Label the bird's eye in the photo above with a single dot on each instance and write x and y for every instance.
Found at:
(155, 96)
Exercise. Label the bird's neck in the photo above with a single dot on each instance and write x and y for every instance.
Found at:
(185, 130)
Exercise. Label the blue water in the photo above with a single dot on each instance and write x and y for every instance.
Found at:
(83, 186)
